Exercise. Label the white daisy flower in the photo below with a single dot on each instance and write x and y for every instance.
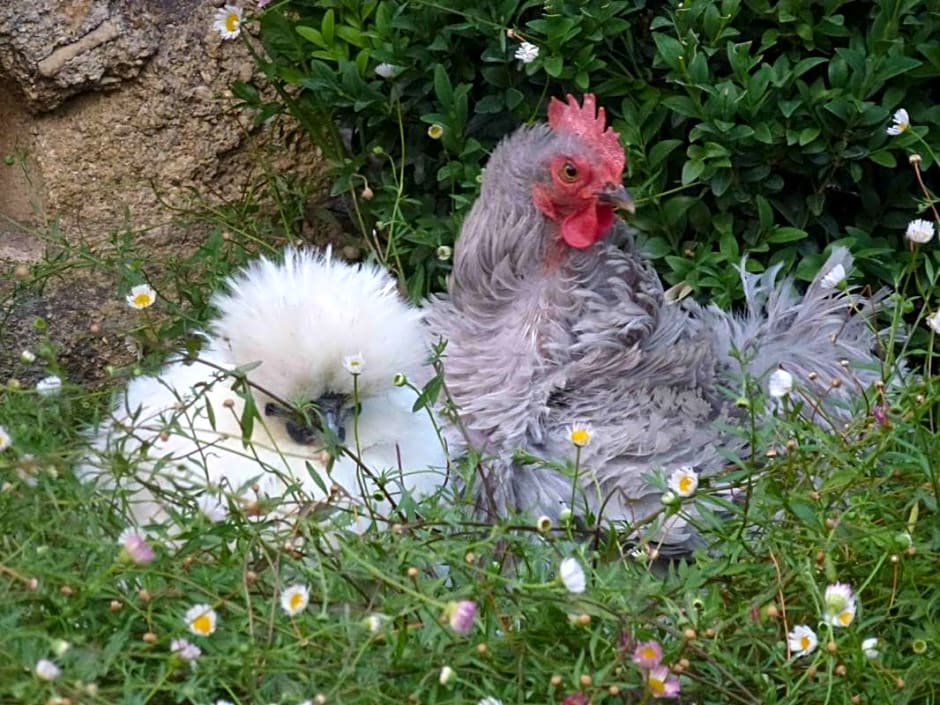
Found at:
(580, 434)
(46, 670)
(527, 52)
(28, 356)
(838, 605)
(201, 620)
(919, 231)
(444, 253)
(50, 385)
(141, 296)
(354, 364)
(489, 700)
(933, 320)
(900, 122)
(780, 383)
(185, 650)
(834, 277)
(447, 675)
(870, 648)
(385, 70)
(572, 575)
(5, 439)
(212, 507)
(802, 640)
(228, 22)
(295, 599)
(683, 481)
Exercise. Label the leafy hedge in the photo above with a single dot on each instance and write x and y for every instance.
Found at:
(750, 125)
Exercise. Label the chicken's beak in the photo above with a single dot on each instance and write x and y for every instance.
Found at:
(330, 412)
(617, 196)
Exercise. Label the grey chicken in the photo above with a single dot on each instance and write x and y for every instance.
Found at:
(553, 318)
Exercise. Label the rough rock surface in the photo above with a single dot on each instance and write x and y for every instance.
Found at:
(109, 111)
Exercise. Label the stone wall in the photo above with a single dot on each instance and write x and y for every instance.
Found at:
(105, 107)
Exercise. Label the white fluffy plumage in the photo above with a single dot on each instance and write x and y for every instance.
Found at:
(290, 327)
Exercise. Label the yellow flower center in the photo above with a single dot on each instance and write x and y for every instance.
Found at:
(580, 436)
(845, 618)
(648, 653)
(296, 600)
(685, 484)
(231, 22)
(142, 299)
(805, 642)
(202, 624)
(656, 685)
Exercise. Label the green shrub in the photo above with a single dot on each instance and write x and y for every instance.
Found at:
(753, 127)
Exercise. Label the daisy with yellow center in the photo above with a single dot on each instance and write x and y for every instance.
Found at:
(802, 640)
(580, 434)
(295, 599)
(141, 296)
(228, 22)
(900, 122)
(839, 605)
(683, 481)
(201, 620)
(5, 439)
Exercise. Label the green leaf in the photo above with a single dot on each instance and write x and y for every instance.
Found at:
(553, 66)
(884, 158)
(311, 35)
(787, 234)
(660, 151)
(327, 27)
(442, 87)
(691, 170)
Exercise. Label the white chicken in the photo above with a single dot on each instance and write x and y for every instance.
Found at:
(301, 361)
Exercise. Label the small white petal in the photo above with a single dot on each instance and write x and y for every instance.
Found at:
(780, 383)
(933, 320)
(527, 52)
(46, 670)
(920, 231)
(572, 575)
(49, 385)
(870, 648)
(834, 277)
(385, 70)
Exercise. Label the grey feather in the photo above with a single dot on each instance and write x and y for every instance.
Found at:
(532, 348)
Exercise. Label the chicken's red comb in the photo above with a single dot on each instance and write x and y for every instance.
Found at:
(589, 122)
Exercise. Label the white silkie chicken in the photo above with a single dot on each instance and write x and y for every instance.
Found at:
(320, 343)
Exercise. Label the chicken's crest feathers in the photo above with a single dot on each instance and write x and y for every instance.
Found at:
(301, 318)
(590, 123)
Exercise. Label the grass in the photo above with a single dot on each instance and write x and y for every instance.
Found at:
(815, 507)
(856, 506)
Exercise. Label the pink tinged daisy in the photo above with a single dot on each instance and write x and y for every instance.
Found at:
(683, 481)
(228, 22)
(141, 296)
(185, 650)
(802, 640)
(661, 682)
(460, 616)
(838, 605)
(135, 548)
(201, 620)
(46, 670)
(572, 576)
(919, 231)
(780, 384)
(900, 122)
(648, 654)
(295, 599)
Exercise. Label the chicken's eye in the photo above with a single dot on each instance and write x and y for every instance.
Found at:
(568, 172)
